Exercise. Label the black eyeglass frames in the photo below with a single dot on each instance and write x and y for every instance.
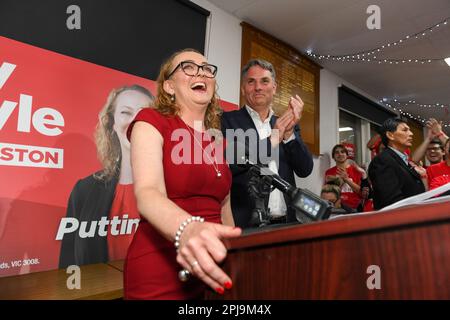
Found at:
(192, 69)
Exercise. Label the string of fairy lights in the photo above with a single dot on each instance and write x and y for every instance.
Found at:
(372, 55)
(401, 106)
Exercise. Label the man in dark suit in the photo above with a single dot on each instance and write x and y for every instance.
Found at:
(279, 136)
(393, 177)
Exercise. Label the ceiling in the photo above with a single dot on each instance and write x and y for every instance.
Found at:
(338, 27)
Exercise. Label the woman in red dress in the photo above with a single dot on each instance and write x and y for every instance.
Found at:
(180, 179)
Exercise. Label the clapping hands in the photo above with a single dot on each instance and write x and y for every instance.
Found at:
(286, 123)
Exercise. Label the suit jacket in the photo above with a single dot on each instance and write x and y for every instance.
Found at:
(90, 200)
(392, 179)
(294, 156)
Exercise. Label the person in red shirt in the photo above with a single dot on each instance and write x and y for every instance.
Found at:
(351, 188)
(439, 174)
(433, 145)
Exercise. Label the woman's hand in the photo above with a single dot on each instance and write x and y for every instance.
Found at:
(419, 169)
(341, 172)
(201, 250)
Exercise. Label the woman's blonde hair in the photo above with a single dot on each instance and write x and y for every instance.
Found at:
(334, 180)
(108, 145)
(166, 105)
(332, 188)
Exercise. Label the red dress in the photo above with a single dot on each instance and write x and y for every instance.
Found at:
(151, 270)
(119, 236)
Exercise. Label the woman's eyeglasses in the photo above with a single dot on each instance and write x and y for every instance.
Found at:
(192, 69)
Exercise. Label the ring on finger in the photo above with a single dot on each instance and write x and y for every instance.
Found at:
(194, 264)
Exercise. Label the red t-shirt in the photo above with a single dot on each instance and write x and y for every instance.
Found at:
(438, 174)
(125, 208)
(348, 196)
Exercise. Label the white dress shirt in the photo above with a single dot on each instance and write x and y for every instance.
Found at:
(277, 205)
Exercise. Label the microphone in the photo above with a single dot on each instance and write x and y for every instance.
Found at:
(245, 162)
(308, 206)
(276, 180)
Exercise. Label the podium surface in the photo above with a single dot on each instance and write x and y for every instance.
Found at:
(408, 249)
(405, 252)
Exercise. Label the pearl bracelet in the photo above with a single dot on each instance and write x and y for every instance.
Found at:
(183, 225)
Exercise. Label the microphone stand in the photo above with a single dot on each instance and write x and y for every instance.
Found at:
(308, 206)
(259, 191)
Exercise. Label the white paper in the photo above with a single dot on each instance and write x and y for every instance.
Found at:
(421, 198)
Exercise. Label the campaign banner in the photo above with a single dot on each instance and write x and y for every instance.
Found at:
(66, 193)
(50, 106)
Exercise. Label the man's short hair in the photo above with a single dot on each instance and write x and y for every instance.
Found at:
(437, 141)
(390, 125)
(338, 146)
(266, 65)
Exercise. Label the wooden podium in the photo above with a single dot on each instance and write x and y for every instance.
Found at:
(330, 259)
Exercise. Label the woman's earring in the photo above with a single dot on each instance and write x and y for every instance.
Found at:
(172, 98)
